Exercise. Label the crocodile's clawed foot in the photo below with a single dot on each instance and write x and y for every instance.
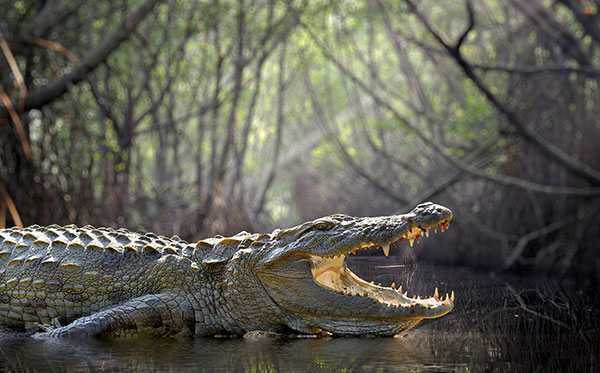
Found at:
(43, 328)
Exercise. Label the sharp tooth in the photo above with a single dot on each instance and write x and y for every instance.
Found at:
(435, 228)
(412, 240)
(436, 295)
(447, 225)
(393, 285)
(379, 284)
(386, 250)
(426, 232)
(418, 238)
(401, 239)
(400, 289)
(443, 226)
(452, 296)
(395, 244)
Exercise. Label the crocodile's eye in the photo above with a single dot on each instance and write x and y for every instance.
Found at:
(323, 224)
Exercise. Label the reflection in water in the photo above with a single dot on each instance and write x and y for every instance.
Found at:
(497, 325)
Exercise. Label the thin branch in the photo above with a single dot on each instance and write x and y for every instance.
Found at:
(14, 213)
(528, 70)
(524, 240)
(447, 180)
(496, 178)
(347, 158)
(17, 122)
(47, 94)
(47, 44)
(49, 16)
(554, 153)
(470, 26)
(278, 132)
(16, 73)
(533, 312)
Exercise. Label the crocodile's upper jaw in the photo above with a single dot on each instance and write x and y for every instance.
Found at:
(311, 283)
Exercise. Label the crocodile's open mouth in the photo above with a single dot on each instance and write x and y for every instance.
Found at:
(332, 273)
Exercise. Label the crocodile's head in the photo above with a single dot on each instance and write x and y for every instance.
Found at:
(302, 270)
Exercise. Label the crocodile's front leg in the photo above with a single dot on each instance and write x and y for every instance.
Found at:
(149, 315)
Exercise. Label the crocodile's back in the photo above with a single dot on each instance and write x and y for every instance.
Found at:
(57, 274)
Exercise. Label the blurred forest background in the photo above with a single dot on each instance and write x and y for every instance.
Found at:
(204, 117)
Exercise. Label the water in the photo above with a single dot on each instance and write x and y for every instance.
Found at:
(498, 324)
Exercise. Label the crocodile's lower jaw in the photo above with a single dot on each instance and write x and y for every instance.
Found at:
(333, 274)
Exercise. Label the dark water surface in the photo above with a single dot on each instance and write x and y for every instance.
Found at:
(498, 324)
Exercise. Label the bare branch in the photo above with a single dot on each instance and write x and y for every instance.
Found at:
(47, 94)
(49, 16)
(17, 123)
(528, 70)
(342, 149)
(496, 178)
(470, 25)
(525, 308)
(16, 72)
(554, 153)
(524, 240)
(278, 133)
(14, 213)
(47, 44)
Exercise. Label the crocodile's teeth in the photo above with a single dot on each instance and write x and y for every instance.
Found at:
(435, 228)
(412, 240)
(386, 250)
(426, 232)
(436, 295)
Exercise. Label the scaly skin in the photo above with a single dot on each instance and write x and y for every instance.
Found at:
(104, 282)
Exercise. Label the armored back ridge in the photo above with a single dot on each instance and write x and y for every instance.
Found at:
(70, 281)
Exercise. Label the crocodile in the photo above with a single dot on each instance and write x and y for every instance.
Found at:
(61, 281)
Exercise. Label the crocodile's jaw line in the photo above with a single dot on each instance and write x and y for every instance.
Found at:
(370, 309)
